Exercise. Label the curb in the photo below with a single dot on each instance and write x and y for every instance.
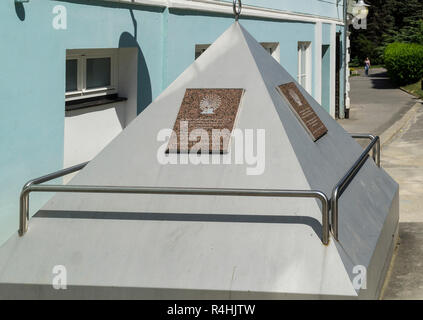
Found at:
(389, 133)
(411, 94)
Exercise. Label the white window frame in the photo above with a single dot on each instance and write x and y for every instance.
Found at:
(304, 47)
(272, 47)
(81, 56)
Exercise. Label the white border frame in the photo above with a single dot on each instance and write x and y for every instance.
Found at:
(227, 8)
(308, 61)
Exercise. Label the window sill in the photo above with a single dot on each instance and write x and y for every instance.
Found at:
(92, 102)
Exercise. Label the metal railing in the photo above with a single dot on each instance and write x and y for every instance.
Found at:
(34, 186)
(24, 196)
(376, 147)
(341, 186)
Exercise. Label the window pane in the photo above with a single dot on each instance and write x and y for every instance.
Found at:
(71, 75)
(98, 72)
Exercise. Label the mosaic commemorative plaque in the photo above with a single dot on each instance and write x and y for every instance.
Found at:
(205, 121)
(303, 111)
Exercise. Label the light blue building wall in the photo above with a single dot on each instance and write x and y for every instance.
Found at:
(208, 28)
(32, 83)
(33, 64)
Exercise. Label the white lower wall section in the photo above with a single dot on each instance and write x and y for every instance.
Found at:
(128, 83)
(89, 130)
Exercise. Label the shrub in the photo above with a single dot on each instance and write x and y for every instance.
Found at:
(353, 72)
(404, 62)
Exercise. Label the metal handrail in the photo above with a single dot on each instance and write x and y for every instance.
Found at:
(24, 201)
(340, 187)
(376, 148)
(32, 186)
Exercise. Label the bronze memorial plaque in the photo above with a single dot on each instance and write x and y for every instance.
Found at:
(304, 112)
(205, 121)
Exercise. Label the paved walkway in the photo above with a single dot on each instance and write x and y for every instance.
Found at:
(402, 158)
(377, 106)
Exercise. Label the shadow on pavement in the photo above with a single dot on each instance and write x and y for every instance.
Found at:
(379, 74)
(383, 84)
(380, 80)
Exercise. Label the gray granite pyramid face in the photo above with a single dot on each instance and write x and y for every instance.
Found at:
(369, 204)
(202, 247)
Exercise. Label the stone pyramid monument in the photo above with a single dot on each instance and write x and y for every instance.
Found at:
(176, 246)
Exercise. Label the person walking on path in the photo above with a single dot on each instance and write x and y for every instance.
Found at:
(367, 66)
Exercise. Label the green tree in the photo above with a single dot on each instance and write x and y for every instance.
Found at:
(388, 21)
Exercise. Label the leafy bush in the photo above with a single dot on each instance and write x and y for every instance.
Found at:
(404, 62)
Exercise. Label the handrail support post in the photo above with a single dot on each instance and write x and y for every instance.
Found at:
(23, 211)
(337, 191)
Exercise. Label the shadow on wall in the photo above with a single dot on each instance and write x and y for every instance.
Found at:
(20, 11)
(128, 40)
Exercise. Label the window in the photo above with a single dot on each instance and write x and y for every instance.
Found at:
(71, 75)
(304, 65)
(90, 73)
(99, 71)
(199, 50)
(271, 47)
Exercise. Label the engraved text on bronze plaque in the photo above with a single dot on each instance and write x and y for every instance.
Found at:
(304, 112)
(205, 121)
